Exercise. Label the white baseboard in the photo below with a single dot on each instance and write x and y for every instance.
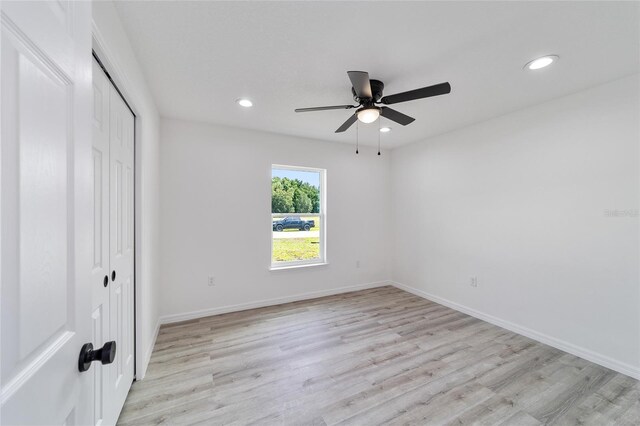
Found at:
(168, 319)
(589, 355)
(147, 356)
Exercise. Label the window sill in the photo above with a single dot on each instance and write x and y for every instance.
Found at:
(307, 265)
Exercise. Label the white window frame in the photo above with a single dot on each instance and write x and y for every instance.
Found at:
(322, 214)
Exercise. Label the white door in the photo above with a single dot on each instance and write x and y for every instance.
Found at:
(113, 249)
(45, 211)
(100, 272)
(121, 245)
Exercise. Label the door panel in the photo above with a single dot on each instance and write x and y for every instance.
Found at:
(45, 211)
(44, 196)
(121, 246)
(113, 242)
(100, 271)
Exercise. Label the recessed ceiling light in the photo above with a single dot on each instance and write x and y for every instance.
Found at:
(542, 62)
(244, 102)
(385, 129)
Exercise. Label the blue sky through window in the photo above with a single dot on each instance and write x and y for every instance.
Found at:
(312, 178)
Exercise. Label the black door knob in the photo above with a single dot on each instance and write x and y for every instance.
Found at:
(106, 354)
(113, 275)
(106, 280)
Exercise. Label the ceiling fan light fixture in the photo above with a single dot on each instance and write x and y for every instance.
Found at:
(368, 115)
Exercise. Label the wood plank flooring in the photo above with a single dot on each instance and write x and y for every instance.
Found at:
(379, 356)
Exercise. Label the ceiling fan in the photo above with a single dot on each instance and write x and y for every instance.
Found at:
(368, 94)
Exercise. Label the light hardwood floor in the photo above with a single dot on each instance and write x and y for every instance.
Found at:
(379, 356)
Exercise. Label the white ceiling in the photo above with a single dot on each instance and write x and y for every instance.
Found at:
(199, 57)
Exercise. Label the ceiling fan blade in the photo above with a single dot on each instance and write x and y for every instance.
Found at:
(347, 123)
(361, 84)
(396, 116)
(324, 108)
(425, 92)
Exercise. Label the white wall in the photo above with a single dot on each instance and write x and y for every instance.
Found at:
(115, 51)
(519, 201)
(216, 205)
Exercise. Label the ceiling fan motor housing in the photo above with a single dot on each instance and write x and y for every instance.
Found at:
(376, 90)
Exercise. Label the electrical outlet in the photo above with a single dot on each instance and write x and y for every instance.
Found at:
(474, 282)
(211, 281)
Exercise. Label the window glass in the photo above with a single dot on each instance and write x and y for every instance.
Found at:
(297, 215)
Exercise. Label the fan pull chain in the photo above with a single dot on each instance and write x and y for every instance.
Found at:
(357, 134)
(379, 136)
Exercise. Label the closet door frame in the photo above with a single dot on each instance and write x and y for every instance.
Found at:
(100, 54)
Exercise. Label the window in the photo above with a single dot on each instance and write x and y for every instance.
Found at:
(297, 216)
